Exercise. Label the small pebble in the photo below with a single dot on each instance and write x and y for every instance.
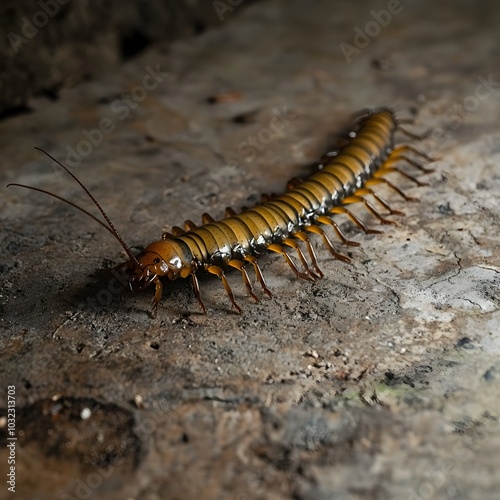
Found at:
(85, 413)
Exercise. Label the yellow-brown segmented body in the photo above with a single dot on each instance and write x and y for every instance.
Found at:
(345, 177)
(281, 222)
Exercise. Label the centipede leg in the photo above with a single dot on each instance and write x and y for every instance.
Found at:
(382, 180)
(415, 164)
(369, 206)
(293, 244)
(356, 220)
(387, 169)
(302, 236)
(237, 264)
(264, 197)
(318, 230)
(394, 158)
(196, 290)
(366, 191)
(189, 225)
(219, 272)
(207, 218)
(274, 247)
(404, 121)
(293, 183)
(157, 297)
(323, 219)
(399, 153)
(166, 235)
(413, 135)
(258, 273)
(229, 212)
(178, 231)
(406, 147)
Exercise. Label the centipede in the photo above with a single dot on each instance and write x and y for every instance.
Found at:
(366, 154)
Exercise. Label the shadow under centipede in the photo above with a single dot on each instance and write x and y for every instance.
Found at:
(106, 289)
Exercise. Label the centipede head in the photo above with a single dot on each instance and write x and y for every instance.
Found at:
(169, 257)
(164, 258)
(150, 267)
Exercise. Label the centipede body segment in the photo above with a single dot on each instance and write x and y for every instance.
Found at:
(282, 224)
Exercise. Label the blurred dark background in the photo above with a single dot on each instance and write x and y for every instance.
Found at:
(83, 38)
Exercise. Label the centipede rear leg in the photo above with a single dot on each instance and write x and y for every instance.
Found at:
(390, 165)
(355, 219)
(397, 157)
(367, 191)
(416, 164)
(379, 179)
(399, 152)
(414, 135)
(387, 168)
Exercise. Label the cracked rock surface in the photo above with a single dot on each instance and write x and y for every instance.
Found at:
(380, 380)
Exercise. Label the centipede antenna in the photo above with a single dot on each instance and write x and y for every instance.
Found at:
(74, 205)
(413, 135)
(362, 113)
(111, 226)
(404, 121)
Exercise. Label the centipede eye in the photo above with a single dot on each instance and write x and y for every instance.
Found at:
(156, 261)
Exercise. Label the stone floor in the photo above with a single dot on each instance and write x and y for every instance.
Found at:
(379, 381)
